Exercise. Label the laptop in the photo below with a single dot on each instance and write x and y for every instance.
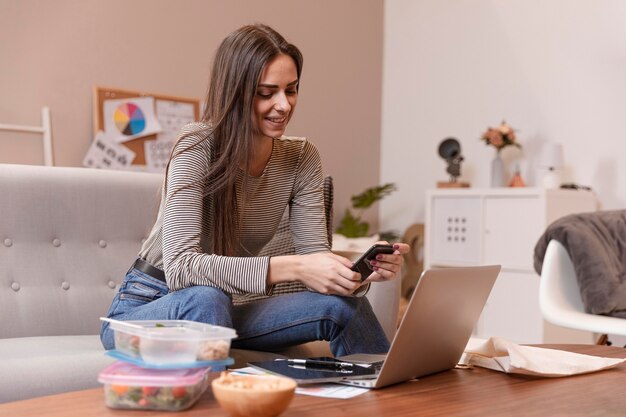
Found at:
(431, 338)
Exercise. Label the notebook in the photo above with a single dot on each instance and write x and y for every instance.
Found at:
(432, 335)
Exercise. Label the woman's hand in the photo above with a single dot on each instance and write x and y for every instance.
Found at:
(329, 273)
(387, 267)
(326, 273)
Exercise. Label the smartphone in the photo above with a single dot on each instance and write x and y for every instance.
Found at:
(363, 266)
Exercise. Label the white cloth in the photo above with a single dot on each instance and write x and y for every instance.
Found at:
(505, 356)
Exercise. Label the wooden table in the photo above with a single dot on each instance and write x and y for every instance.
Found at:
(470, 392)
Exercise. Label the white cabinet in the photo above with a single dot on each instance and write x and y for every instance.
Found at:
(502, 226)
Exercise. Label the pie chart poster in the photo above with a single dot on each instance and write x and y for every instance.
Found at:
(130, 118)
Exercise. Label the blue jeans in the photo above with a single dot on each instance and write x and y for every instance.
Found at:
(270, 324)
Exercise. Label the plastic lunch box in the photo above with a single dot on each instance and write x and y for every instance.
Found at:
(172, 342)
(130, 386)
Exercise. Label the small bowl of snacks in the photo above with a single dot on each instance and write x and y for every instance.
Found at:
(171, 342)
(132, 387)
(253, 395)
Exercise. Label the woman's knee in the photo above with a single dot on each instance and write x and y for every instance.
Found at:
(343, 309)
(204, 304)
(204, 293)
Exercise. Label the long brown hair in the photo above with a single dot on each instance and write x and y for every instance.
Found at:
(228, 109)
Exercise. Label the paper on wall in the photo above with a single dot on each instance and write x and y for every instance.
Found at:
(130, 118)
(106, 153)
(157, 154)
(172, 116)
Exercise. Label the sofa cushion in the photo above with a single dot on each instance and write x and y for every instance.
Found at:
(49, 365)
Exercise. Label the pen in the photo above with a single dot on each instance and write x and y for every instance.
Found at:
(318, 368)
(320, 364)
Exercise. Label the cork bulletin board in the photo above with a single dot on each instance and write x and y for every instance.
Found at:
(100, 94)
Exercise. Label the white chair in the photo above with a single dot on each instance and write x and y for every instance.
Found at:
(560, 300)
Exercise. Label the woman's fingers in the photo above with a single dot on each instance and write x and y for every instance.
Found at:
(386, 267)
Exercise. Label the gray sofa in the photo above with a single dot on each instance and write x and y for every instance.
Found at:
(67, 237)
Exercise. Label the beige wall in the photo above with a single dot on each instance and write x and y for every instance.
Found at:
(53, 52)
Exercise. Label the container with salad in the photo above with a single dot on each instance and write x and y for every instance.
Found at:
(132, 387)
(171, 342)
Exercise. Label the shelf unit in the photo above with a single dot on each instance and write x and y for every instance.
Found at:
(501, 226)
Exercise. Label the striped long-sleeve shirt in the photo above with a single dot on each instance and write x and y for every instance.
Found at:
(179, 240)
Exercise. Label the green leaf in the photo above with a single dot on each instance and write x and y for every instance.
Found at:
(372, 195)
(351, 226)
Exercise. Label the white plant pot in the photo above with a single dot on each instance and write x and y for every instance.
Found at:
(352, 247)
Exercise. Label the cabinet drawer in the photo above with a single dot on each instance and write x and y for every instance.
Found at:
(512, 310)
(512, 227)
(456, 231)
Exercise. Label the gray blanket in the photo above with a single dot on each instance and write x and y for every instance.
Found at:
(596, 243)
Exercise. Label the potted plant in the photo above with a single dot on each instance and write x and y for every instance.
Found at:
(353, 233)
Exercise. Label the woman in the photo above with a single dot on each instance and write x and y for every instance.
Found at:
(228, 183)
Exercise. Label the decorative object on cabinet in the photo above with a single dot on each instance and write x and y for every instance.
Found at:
(517, 180)
(450, 150)
(351, 225)
(551, 162)
(574, 186)
(501, 226)
(499, 137)
(498, 177)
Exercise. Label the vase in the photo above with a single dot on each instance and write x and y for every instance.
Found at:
(497, 172)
